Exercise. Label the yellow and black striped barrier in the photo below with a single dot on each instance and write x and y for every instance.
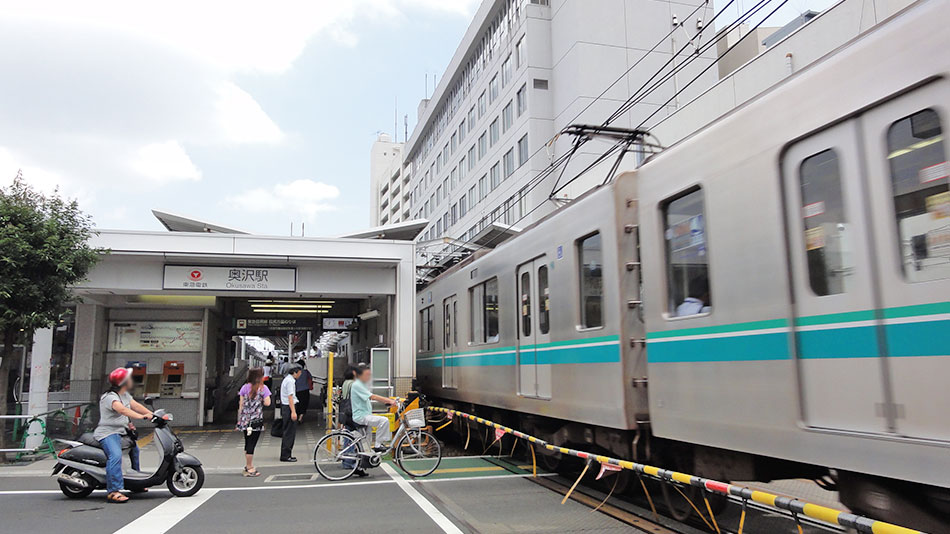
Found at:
(862, 524)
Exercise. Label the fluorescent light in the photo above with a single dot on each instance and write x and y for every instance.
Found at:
(270, 301)
(305, 306)
(915, 146)
(173, 300)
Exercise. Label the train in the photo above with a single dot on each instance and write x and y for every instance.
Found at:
(768, 298)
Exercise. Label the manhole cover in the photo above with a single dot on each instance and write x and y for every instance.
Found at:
(303, 477)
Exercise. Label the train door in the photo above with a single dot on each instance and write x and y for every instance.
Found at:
(908, 171)
(836, 330)
(534, 377)
(450, 340)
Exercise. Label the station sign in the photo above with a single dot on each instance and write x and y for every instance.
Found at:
(340, 324)
(229, 278)
(278, 324)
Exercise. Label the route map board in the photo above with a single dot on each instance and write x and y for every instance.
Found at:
(155, 336)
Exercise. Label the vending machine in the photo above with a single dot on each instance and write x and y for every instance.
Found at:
(173, 377)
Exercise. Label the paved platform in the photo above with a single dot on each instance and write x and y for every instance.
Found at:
(466, 494)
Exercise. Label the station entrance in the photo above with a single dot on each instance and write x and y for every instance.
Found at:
(190, 313)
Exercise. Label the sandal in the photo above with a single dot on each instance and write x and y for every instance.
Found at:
(252, 473)
(116, 498)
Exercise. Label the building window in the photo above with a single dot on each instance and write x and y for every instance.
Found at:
(540, 84)
(461, 168)
(462, 132)
(484, 311)
(508, 116)
(471, 158)
(493, 132)
(921, 190)
(482, 145)
(426, 336)
(591, 263)
(495, 176)
(483, 186)
(824, 223)
(446, 221)
(471, 119)
(482, 105)
(438, 227)
(506, 71)
(509, 160)
(438, 194)
(454, 218)
(523, 154)
(687, 265)
(493, 89)
(519, 54)
(463, 207)
(472, 198)
(522, 99)
(454, 142)
(450, 184)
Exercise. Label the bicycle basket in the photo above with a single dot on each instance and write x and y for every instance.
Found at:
(415, 418)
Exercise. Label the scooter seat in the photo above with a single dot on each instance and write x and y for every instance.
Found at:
(88, 439)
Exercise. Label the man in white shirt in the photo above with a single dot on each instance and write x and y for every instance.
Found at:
(696, 302)
(288, 412)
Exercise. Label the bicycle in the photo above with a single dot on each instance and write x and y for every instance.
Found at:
(415, 450)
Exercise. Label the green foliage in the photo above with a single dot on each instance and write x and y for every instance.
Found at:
(43, 251)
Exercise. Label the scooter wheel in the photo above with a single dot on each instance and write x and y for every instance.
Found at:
(77, 493)
(187, 482)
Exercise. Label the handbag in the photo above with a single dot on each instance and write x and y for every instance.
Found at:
(256, 424)
(277, 429)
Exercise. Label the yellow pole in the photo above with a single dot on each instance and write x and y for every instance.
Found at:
(329, 391)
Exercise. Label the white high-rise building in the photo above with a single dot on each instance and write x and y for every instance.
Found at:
(388, 194)
(524, 70)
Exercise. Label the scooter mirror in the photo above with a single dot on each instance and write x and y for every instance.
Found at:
(149, 401)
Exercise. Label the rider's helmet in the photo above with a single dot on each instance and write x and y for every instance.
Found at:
(119, 376)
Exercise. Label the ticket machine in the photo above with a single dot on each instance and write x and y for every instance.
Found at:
(173, 377)
(138, 378)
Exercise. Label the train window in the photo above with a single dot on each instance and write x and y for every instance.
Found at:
(919, 177)
(591, 262)
(825, 224)
(426, 335)
(687, 266)
(484, 311)
(525, 290)
(447, 316)
(544, 303)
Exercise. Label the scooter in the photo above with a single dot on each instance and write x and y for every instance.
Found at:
(81, 467)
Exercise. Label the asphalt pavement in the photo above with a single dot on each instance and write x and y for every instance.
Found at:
(466, 494)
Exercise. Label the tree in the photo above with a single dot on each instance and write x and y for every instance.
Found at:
(44, 251)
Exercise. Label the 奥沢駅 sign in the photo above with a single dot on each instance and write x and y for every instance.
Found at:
(217, 278)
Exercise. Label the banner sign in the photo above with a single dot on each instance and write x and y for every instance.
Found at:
(282, 324)
(227, 278)
(340, 323)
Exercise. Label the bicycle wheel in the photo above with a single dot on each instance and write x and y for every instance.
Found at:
(418, 453)
(336, 455)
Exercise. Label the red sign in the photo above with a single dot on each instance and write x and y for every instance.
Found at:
(499, 433)
(195, 275)
(607, 468)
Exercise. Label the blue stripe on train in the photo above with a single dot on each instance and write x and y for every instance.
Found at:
(931, 338)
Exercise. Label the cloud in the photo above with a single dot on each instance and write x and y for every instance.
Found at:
(241, 118)
(305, 198)
(164, 162)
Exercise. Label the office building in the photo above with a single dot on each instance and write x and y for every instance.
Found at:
(524, 70)
(388, 195)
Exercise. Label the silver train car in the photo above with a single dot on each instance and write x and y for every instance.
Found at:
(768, 298)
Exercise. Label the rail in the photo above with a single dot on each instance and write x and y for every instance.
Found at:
(864, 525)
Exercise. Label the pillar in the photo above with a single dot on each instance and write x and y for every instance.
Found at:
(39, 382)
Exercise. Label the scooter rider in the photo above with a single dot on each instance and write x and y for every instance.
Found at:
(116, 409)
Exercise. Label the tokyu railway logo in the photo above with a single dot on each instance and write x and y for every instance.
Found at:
(230, 278)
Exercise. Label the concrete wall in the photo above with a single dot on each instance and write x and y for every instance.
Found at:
(831, 29)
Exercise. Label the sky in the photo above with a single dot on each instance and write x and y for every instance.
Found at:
(253, 115)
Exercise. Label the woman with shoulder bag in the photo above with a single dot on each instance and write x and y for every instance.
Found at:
(253, 397)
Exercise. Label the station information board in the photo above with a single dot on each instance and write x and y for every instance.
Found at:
(155, 336)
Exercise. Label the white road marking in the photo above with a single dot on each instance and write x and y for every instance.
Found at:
(427, 507)
(163, 517)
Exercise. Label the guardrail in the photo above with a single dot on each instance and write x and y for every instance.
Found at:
(81, 413)
(797, 507)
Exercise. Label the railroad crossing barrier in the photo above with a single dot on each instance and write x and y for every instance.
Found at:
(797, 507)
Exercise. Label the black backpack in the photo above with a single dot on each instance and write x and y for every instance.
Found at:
(345, 414)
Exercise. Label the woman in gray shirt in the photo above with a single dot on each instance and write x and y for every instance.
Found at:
(116, 410)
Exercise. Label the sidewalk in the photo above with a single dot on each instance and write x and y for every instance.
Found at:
(219, 447)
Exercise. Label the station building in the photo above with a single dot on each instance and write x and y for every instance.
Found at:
(179, 308)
